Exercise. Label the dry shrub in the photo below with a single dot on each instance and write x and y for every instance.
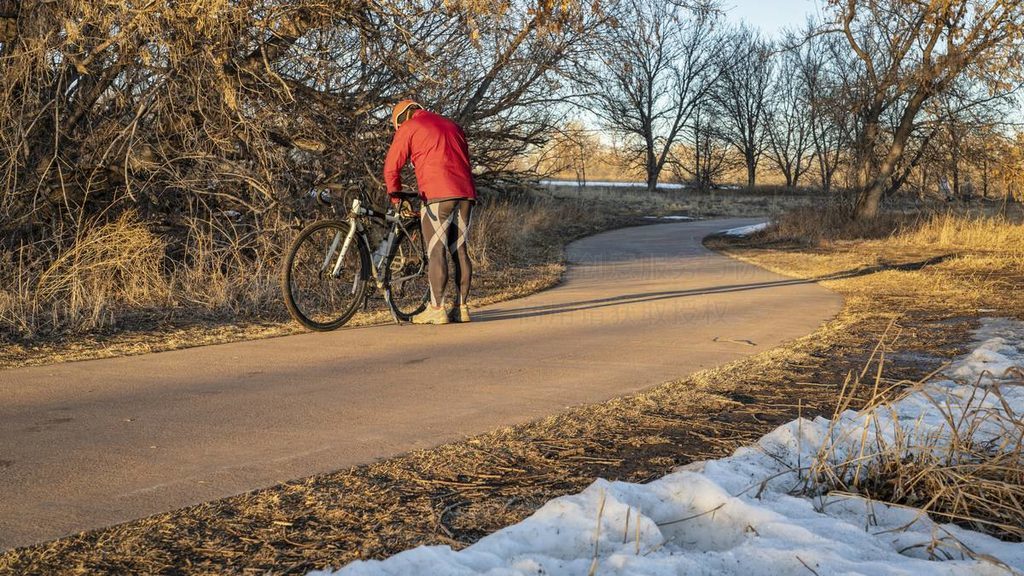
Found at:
(961, 472)
(107, 268)
(242, 105)
(526, 230)
(229, 269)
(815, 225)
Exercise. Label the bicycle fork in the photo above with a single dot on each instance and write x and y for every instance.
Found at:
(353, 228)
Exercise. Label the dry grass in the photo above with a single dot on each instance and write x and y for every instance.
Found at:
(107, 266)
(937, 225)
(956, 262)
(1000, 234)
(760, 201)
(969, 470)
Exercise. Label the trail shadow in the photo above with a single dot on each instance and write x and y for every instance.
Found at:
(565, 307)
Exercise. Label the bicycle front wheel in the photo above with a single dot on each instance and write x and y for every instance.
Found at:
(322, 287)
(406, 284)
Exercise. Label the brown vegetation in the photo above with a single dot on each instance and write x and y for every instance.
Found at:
(951, 267)
(960, 479)
(155, 156)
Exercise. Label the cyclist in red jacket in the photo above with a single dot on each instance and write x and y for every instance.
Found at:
(440, 156)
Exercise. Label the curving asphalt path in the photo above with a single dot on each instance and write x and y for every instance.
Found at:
(89, 444)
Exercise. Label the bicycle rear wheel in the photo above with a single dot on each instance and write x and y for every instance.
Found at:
(316, 297)
(406, 284)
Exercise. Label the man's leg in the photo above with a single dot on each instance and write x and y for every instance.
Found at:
(435, 220)
(458, 245)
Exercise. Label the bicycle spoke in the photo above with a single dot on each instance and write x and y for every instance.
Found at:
(324, 284)
(407, 282)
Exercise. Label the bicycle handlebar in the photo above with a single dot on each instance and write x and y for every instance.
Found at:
(370, 212)
(406, 195)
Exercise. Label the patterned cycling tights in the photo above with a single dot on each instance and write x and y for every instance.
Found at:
(446, 229)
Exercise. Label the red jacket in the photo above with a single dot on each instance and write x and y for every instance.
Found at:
(439, 154)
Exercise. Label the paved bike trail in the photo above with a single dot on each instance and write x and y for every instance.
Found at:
(89, 444)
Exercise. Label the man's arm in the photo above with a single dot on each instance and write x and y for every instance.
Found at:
(397, 156)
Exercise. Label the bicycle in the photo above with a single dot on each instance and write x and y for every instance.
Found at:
(332, 268)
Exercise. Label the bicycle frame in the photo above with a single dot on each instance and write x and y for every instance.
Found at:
(357, 232)
(356, 228)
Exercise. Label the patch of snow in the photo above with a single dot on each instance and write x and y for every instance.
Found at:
(744, 230)
(737, 515)
(676, 218)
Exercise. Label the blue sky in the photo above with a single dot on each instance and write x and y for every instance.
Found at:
(771, 16)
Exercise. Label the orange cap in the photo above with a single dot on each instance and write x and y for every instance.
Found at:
(400, 108)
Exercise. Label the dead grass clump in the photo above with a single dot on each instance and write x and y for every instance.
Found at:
(815, 225)
(966, 469)
(534, 229)
(513, 232)
(229, 270)
(999, 233)
(109, 266)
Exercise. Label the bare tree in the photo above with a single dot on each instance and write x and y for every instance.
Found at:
(742, 94)
(819, 58)
(163, 106)
(966, 119)
(569, 151)
(908, 52)
(654, 68)
(790, 142)
(704, 155)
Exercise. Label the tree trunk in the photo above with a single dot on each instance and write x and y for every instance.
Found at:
(984, 178)
(652, 174)
(826, 180)
(698, 176)
(869, 200)
(873, 188)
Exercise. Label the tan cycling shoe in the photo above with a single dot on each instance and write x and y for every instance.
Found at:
(459, 314)
(431, 315)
